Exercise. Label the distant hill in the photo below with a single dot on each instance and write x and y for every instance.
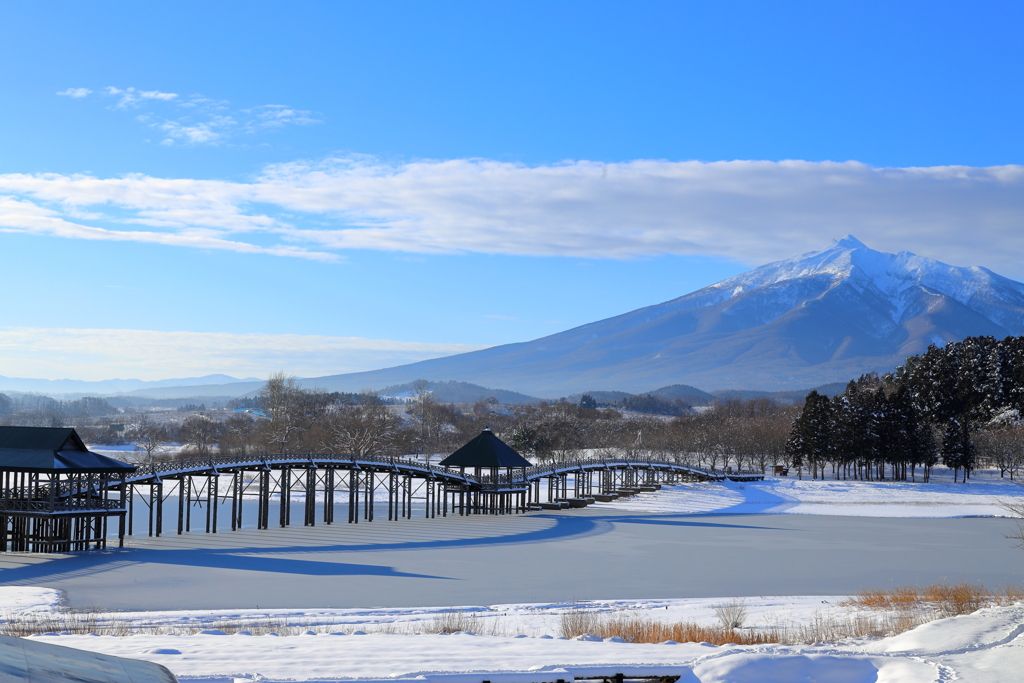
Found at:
(461, 392)
(602, 397)
(832, 389)
(684, 392)
(113, 386)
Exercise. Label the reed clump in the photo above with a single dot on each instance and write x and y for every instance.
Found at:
(945, 600)
(453, 622)
(639, 629)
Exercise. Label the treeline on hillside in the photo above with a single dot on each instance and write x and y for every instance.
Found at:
(739, 434)
(957, 404)
(648, 404)
(42, 411)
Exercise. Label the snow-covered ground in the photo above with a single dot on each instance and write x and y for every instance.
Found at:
(535, 620)
(984, 647)
(518, 643)
(941, 497)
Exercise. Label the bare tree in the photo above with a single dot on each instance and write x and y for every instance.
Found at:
(433, 420)
(148, 437)
(239, 435)
(362, 429)
(200, 434)
(1016, 510)
(282, 400)
(1003, 447)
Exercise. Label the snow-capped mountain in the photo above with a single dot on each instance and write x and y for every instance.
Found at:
(821, 317)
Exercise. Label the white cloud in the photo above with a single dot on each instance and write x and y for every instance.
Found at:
(751, 211)
(149, 355)
(77, 93)
(198, 120)
(277, 116)
(27, 217)
(157, 95)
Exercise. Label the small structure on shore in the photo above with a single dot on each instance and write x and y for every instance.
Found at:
(501, 492)
(55, 494)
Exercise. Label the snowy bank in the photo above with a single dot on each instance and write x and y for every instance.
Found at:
(984, 647)
(981, 496)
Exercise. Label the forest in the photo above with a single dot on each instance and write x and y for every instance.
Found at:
(959, 404)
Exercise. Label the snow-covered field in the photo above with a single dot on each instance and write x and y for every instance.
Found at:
(941, 497)
(984, 647)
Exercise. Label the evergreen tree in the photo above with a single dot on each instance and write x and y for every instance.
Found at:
(957, 449)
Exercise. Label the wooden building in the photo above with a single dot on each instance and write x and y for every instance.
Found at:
(486, 456)
(55, 494)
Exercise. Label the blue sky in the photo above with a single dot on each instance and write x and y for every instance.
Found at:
(327, 186)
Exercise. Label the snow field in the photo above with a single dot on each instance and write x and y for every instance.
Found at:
(534, 620)
(356, 645)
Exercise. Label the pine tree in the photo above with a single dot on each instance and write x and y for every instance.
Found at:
(957, 449)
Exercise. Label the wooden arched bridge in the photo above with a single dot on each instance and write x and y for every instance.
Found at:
(31, 512)
(272, 483)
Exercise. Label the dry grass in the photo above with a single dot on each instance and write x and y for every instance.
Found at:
(458, 621)
(889, 613)
(85, 622)
(946, 600)
(78, 622)
(639, 629)
(873, 613)
(731, 614)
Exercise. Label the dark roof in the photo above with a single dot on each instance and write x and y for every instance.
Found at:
(52, 449)
(486, 450)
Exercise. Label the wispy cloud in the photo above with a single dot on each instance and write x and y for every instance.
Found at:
(77, 93)
(195, 119)
(750, 211)
(132, 98)
(146, 354)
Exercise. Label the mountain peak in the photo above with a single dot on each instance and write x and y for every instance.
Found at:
(849, 242)
(824, 316)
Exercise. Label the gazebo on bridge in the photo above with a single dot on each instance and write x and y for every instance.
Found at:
(55, 494)
(497, 493)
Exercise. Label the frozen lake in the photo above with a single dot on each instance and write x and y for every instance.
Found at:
(537, 557)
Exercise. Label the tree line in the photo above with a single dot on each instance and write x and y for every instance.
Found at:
(30, 410)
(286, 418)
(959, 404)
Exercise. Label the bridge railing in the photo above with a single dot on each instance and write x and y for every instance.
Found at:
(614, 463)
(147, 471)
(589, 464)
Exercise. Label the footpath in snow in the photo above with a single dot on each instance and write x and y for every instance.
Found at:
(941, 497)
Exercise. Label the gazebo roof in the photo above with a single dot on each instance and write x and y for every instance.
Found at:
(486, 450)
(52, 449)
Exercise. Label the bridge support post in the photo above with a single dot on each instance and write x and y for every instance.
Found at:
(284, 478)
(214, 484)
(353, 496)
(264, 506)
(181, 504)
(329, 495)
(236, 487)
(371, 486)
(131, 507)
(159, 505)
(310, 519)
(188, 503)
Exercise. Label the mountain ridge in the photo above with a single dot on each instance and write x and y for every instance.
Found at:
(821, 317)
(824, 316)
